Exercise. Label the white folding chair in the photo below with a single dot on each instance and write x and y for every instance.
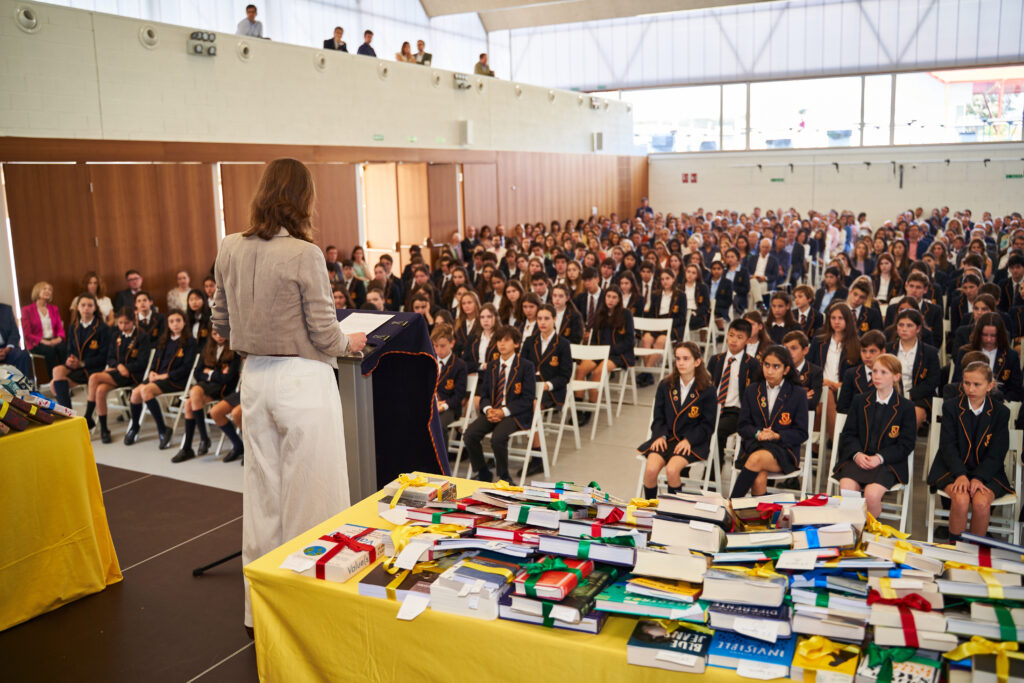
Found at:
(463, 422)
(167, 400)
(117, 398)
(1008, 523)
(932, 444)
(802, 473)
(596, 354)
(536, 429)
(654, 326)
(704, 470)
(821, 437)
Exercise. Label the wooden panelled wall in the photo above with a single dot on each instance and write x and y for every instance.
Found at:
(155, 208)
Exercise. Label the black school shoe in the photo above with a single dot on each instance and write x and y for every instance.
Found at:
(204, 447)
(486, 476)
(233, 455)
(183, 455)
(165, 437)
(105, 436)
(131, 435)
(584, 418)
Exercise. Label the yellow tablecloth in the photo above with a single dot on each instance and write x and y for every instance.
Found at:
(312, 630)
(55, 545)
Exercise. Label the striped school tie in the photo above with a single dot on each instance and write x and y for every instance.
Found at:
(500, 387)
(723, 388)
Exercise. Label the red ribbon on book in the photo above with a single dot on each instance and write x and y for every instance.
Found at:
(614, 516)
(343, 542)
(904, 605)
(984, 556)
(766, 510)
(814, 501)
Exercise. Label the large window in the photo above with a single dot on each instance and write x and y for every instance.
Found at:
(963, 105)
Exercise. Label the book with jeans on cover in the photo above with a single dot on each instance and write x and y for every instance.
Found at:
(668, 645)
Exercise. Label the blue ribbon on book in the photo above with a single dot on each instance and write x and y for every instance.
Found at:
(896, 573)
(811, 533)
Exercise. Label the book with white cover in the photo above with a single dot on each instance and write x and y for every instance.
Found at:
(927, 640)
(710, 510)
(732, 586)
(832, 626)
(911, 559)
(889, 615)
(694, 534)
(982, 621)
(830, 536)
(781, 538)
(824, 515)
(664, 565)
(623, 555)
(843, 605)
(542, 516)
(971, 584)
(575, 528)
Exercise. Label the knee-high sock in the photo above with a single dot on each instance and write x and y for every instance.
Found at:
(743, 483)
(675, 489)
(190, 430)
(63, 391)
(650, 492)
(229, 431)
(158, 416)
(90, 406)
(136, 409)
(201, 425)
(103, 423)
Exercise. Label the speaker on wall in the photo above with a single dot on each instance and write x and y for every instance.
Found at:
(465, 132)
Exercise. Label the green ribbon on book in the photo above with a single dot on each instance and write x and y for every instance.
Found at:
(594, 485)
(545, 610)
(884, 657)
(1007, 627)
(583, 550)
(821, 600)
(562, 484)
(435, 517)
(629, 541)
(535, 570)
(524, 513)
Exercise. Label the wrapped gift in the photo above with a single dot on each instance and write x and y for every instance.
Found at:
(48, 404)
(980, 582)
(761, 509)
(339, 555)
(30, 410)
(760, 585)
(545, 516)
(11, 417)
(454, 517)
(994, 622)
(903, 553)
(991, 661)
(823, 511)
(419, 489)
(473, 587)
(379, 583)
(830, 536)
(619, 550)
(897, 664)
(819, 654)
(553, 578)
(901, 616)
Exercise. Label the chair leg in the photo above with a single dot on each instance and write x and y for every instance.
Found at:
(931, 517)
(636, 398)
(458, 455)
(607, 401)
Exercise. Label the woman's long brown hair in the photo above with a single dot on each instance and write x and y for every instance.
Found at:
(284, 199)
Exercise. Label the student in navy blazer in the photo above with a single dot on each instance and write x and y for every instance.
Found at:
(857, 380)
(502, 411)
(11, 352)
(970, 463)
(693, 286)
(926, 374)
(613, 327)
(990, 336)
(571, 325)
(684, 420)
(773, 424)
(878, 436)
(551, 356)
(451, 377)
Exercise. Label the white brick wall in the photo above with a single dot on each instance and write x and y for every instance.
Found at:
(86, 75)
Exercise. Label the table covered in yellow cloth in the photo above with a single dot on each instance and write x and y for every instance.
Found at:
(55, 545)
(313, 630)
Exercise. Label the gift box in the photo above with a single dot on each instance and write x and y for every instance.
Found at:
(339, 555)
(903, 553)
(553, 578)
(418, 489)
(545, 516)
(904, 665)
(836, 662)
(619, 550)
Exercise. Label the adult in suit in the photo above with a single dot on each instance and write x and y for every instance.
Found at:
(126, 297)
(335, 42)
(481, 68)
(763, 269)
(504, 404)
(365, 48)
(10, 351)
(422, 56)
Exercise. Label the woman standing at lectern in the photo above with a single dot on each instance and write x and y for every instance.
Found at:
(274, 300)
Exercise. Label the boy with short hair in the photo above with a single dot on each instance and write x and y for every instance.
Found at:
(797, 343)
(732, 371)
(451, 377)
(804, 313)
(857, 380)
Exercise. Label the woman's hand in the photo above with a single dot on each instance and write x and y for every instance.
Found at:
(122, 369)
(767, 435)
(961, 485)
(356, 342)
(153, 376)
(659, 445)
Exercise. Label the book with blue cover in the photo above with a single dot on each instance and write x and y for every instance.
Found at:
(731, 650)
(615, 598)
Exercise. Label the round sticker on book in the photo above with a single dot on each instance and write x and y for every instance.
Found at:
(314, 550)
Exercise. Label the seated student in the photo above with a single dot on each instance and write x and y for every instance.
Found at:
(353, 285)
(693, 299)
(684, 420)
(732, 371)
(631, 300)
(227, 415)
(175, 351)
(420, 284)
(961, 303)
(481, 346)
(421, 304)
(861, 301)
(886, 280)
(459, 278)
(467, 325)
(374, 298)
(835, 350)
(511, 299)
(857, 380)
(808, 319)
(951, 390)
(969, 464)
(831, 290)
(504, 404)
(341, 298)
(1009, 290)
(916, 287)
(127, 357)
(983, 303)
(737, 274)
(720, 291)
(198, 316)
(920, 362)
(391, 287)
(88, 338)
(759, 339)
(146, 319)
(568, 320)
(541, 286)
(550, 354)
(613, 327)
(797, 344)
(528, 325)
(665, 303)
(209, 288)
(216, 377)
(772, 425)
(990, 337)
(780, 317)
(451, 377)
(878, 436)
(907, 303)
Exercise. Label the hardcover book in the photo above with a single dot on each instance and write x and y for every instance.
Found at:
(681, 649)
(577, 604)
(555, 583)
(838, 667)
(591, 623)
(615, 598)
(734, 651)
(330, 560)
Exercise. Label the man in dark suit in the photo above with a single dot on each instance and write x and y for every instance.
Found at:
(10, 351)
(763, 268)
(126, 297)
(336, 43)
(422, 56)
(365, 48)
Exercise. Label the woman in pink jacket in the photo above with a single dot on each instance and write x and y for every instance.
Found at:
(44, 331)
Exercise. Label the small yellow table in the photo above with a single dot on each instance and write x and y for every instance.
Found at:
(55, 546)
(313, 630)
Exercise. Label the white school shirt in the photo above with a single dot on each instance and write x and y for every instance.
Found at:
(907, 361)
(833, 359)
(773, 393)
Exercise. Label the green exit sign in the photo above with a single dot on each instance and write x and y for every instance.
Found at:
(778, 180)
(378, 137)
(1014, 176)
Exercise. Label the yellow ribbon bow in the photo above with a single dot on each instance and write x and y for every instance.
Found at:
(392, 586)
(404, 482)
(503, 485)
(899, 553)
(981, 646)
(817, 647)
(401, 535)
(673, 626)
(995, 589)
(636, 503)
(884, 530)
(765, 570)
(886, 590)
